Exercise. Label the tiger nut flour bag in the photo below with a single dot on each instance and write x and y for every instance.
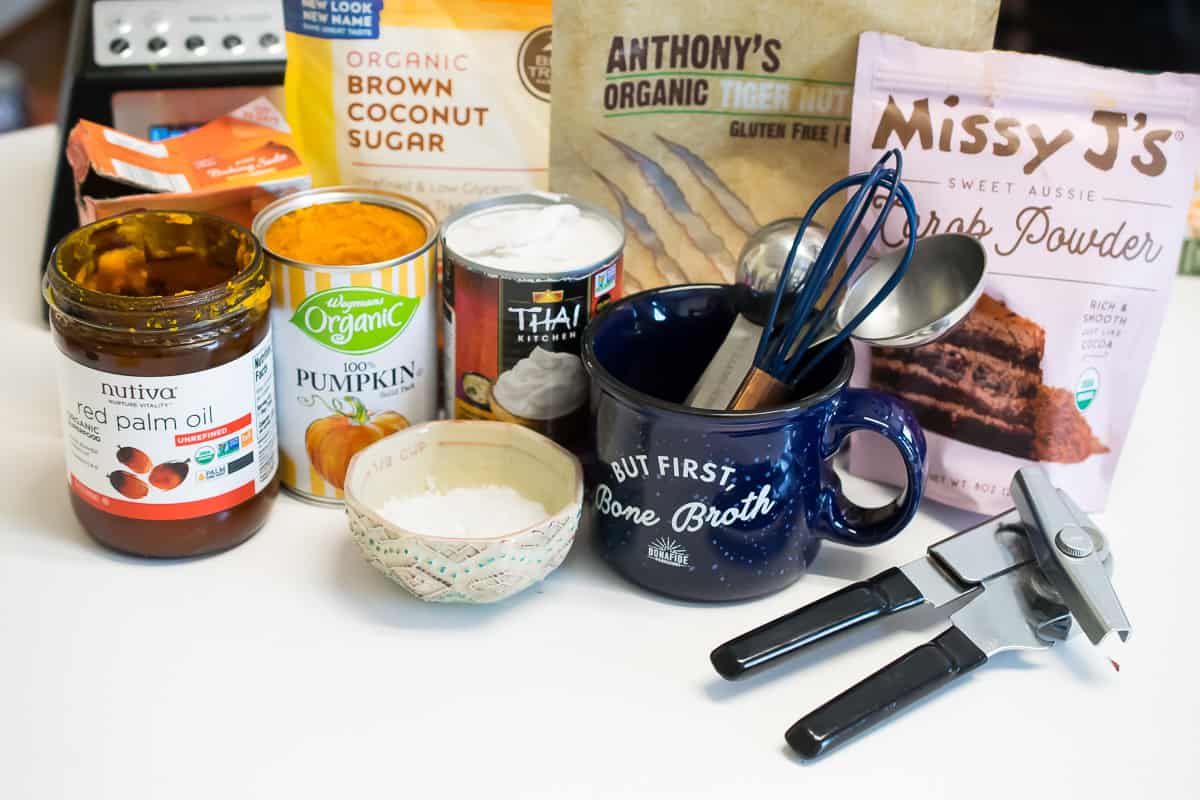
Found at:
(445, 101)
(1076, 179)
(695, 123)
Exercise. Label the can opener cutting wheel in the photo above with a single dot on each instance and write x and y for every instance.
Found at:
(1028, 573)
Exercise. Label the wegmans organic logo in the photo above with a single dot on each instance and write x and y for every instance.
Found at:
(354, 319)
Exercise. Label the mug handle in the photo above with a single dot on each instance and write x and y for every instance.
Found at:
(840, 519)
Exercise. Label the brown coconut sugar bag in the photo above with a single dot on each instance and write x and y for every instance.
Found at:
(446, 101)
(697, 123)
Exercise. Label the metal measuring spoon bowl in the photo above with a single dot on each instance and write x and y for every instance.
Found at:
(943, 282)
(759, 266)
(762, 259)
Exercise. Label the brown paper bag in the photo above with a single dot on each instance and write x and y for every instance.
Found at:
(697, 123)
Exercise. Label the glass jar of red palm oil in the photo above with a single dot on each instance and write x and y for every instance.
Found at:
(166, 381)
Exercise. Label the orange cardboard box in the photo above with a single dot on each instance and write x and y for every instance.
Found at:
(232, 167)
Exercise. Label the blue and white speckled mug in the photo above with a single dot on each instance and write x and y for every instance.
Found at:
(719, 505)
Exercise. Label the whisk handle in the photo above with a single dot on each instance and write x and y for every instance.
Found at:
(840, 518)
(759, 390)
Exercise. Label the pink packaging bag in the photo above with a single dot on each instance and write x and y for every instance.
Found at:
(1077, 180)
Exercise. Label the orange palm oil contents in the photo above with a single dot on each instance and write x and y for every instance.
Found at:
(345, 234)
(128, 272)
(165, 375)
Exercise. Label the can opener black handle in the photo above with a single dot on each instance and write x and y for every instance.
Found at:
(1027, 573)
(912, 676)
(889, 592)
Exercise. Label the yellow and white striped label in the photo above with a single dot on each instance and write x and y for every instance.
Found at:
(355, 360)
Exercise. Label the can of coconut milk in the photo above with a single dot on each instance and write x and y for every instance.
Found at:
(521, 276)
(355, 343)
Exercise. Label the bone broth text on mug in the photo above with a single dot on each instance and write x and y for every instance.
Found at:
(522, 276)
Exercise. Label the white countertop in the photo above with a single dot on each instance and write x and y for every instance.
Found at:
(289, 668)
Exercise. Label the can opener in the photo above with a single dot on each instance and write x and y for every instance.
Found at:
(1028, 574)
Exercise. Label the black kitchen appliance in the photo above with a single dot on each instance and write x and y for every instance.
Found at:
(156, 68)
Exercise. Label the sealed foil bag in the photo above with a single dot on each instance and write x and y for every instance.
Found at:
(1077, 180)
(696, 125)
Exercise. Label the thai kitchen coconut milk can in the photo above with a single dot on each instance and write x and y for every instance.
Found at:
(522, 275)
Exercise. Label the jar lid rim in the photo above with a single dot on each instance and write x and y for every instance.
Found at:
(58, 286)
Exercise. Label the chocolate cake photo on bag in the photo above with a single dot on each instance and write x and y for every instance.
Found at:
(982, 384)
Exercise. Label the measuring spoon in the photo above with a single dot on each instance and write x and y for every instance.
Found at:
(943, 282)
(758, 268)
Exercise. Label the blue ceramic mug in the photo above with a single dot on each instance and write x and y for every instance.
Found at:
(721, 505)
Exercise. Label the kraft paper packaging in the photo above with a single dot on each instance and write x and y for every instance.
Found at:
(697, 123)
(1077, 181)
(445, 101)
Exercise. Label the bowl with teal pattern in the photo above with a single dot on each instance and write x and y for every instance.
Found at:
(464, 454)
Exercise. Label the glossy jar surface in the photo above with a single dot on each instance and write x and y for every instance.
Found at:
(142, 307)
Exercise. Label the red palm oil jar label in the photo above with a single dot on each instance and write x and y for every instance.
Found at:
(170, 447)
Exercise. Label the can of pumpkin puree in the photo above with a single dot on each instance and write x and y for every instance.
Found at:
(355, 326)
(521, 276)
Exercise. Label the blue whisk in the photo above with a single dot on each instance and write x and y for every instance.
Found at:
(782, 359)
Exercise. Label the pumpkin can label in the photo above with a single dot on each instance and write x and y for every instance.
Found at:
(355, 361)
(175, 447)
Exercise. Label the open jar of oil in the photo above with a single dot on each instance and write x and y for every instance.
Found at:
(166, 382)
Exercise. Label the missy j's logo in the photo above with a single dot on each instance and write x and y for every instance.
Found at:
(667, 551)
(1010, 136)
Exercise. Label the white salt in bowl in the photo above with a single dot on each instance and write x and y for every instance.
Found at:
(463, 454)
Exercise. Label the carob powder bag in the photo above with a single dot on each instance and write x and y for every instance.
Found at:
(697, 123)
(1076, 179)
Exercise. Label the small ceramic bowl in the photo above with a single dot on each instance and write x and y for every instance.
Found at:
(461, 454)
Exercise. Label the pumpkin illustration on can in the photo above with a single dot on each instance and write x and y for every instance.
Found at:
(333, 440)
(169, 474)
(134, 459)
(128, 484)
